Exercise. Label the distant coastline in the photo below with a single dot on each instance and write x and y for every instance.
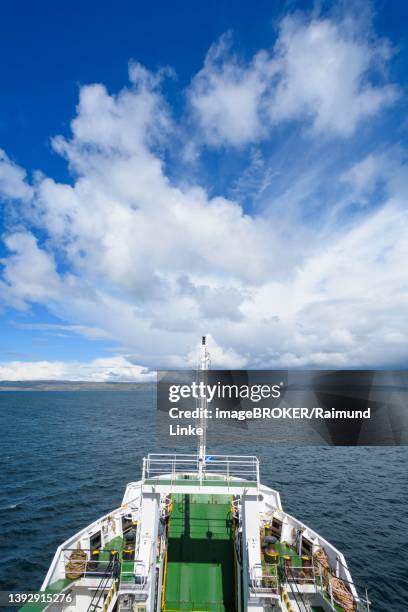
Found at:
(69, 385)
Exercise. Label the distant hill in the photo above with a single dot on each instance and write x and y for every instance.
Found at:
(69, 385)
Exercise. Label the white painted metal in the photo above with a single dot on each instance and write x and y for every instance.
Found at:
(252, 549)
(145, 558)
(145, 502)
(202, 405)
(142, 502)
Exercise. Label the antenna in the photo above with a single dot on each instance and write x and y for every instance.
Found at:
(202, 376)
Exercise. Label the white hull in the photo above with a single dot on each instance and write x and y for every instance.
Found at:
(256, 509)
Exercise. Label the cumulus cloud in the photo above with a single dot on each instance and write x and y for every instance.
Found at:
(143, 254)
(325, 76)
(113, 369)
(319, 70)
(29, 272)
(226, 94)
(13, 183)
(126, 252)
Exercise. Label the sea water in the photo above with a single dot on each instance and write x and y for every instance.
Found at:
(66, 458)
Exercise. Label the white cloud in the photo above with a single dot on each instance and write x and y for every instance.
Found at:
(13, 184)
(29, 273)
(93, 333)
(365, 175)
(347, 304)
(38, 370)
(226, 93)
(113, 369)
(147, 260)
(153, 264)
(219, 356)
(124, 124)
(325, 76)
(386, 170)
(318, 71)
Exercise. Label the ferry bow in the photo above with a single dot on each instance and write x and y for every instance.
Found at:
(199, 533)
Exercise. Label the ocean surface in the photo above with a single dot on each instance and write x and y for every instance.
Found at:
(66, 458)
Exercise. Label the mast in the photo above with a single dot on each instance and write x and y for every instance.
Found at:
(202, 405)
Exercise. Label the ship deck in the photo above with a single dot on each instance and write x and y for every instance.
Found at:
(116, 544)
(200, 561)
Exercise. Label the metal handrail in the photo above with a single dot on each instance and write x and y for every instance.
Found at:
(282, 570)
(245, 467)
(295, 568)
(143, 576)
(177, 455)
(257, 578)
(357, 600)
(111, 572)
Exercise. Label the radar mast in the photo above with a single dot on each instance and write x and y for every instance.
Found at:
(202, 375)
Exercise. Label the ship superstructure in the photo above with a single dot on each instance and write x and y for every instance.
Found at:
(199, 533)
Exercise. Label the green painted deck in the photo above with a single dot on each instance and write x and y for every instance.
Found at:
(55, 587)
(115, 544)
(284, 549)
(200, 561)
(127, 566)
(59, 585)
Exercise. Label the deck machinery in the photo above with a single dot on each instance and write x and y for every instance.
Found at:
(199, 533)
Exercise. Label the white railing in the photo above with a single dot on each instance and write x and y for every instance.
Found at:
(135, 580)
(262, 583)
(215, 468)
(325, 587)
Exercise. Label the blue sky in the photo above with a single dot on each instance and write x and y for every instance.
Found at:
(223, 168)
